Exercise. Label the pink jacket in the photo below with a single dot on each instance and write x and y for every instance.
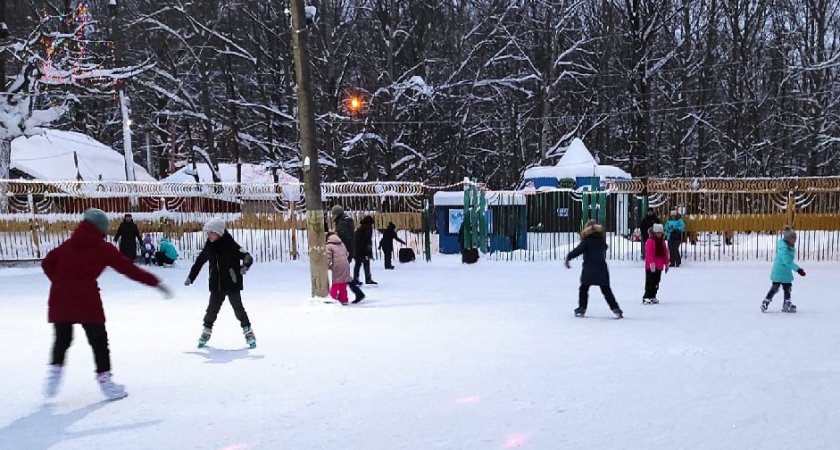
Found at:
(337, 260)
(661, 262)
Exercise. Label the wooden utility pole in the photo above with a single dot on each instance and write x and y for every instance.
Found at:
(309, 154)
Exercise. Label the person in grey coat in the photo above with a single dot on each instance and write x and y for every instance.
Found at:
(593, 247)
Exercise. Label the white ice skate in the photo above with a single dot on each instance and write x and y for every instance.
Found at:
(53, 380)
(111, 390)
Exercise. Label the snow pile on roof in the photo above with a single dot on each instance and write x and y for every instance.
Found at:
(251, 174)
(52, 156)
(577, 162)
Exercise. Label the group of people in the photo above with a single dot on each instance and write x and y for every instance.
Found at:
(347, 244)
(128, 236)
(661, 251)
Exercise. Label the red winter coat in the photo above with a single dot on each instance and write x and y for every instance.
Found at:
(73, 268)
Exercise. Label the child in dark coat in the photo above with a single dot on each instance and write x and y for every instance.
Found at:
(363, 240)
(593, 247)
(228, 263)
(73, 268)
(386, 244)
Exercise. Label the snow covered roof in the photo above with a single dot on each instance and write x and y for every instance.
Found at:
(50, 157)
(494, 198)
(576, 162)
(251, 174)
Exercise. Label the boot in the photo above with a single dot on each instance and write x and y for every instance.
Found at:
(370, 281)
(359, 298)
(580, 312)
(249, 337)
(619, 314)
(788, 307)
(54, 373)
(765, 304)
(111, 390)
(205, 336)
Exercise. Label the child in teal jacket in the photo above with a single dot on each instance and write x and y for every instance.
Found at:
(167, 254)
(783, 268)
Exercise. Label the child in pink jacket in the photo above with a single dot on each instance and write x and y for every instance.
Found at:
(656, 262)
(339, 264)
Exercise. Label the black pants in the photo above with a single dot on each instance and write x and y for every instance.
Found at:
(652, 279)
(583, 297)
(389, 256)
(644, 241)
(674, 250)
(363, 261)
(215, 304)
(357, 291)
(97, 338)
(162, 259)
(775, 288)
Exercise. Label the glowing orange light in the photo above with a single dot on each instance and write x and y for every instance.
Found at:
(355, 104)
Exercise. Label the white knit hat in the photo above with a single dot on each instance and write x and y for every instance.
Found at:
(215, 225)
(658, 228)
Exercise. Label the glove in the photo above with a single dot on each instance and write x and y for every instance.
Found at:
(568, 264)
(243, 270)
(165, 291)
(653, 267)
(801, 272)
(188, 282)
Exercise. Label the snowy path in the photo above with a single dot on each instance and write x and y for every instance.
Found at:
(441, 356)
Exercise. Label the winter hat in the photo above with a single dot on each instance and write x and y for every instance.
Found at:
(788, 233)
(658, 228)
(336, 211)
(215, 225)
(98, 218)
(367, 220)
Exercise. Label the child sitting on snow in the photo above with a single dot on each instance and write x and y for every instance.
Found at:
(783, 268)
(167, 254)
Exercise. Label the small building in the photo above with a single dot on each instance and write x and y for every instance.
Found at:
(507, 220)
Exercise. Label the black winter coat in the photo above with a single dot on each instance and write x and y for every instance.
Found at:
(226, 259)
(388, 238)
(647, 224)
(363, 241)
(344, 228)
(593, 247)
(128, 237)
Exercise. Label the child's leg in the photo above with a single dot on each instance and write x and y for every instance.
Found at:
(357, 291)
(787, 288)
(609, 297)
(657, 278)
(773, 290)
(213, 307)
(342, 292)
(583, 297)
(98, 339)
(650, 284)
(334, 291)
(235, 298)
(63, 338)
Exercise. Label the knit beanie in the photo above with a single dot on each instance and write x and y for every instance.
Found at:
(788, 233)
(336, 211)
(658, 228)
(215, 225)
(98, 218)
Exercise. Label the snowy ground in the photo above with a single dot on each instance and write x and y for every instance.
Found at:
(441, 356)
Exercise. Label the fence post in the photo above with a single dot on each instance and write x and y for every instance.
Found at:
(427, 234)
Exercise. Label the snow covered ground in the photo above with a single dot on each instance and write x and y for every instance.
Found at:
(441, 356)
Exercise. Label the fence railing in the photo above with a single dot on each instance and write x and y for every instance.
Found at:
(726, 219)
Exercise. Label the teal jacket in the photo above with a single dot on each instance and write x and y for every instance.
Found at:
(783, 266)
(674, 225)
(168, 249)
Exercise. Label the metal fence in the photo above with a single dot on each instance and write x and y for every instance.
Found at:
(726, 219)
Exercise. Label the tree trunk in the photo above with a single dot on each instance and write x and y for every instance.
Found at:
(311, 171)
(5, 163)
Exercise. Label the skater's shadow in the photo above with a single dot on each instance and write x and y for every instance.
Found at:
(222, 356)
(45, 428)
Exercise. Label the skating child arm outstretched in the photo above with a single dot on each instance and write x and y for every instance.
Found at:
(196, 267)
(247, 261)
(577, 251)
(121, 264)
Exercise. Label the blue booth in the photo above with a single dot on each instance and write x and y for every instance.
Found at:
(507, 221)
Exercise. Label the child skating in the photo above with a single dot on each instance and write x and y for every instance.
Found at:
(337, 261)
(73, 269)
(593, 247)
(228, 263)
(656, 261)
(386, 244)
(783, 268)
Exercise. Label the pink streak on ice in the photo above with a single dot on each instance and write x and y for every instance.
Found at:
(515, 440)
(469, 399)
(235, 447)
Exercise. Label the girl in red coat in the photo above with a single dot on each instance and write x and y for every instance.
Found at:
(656, 262)
(73, 268)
